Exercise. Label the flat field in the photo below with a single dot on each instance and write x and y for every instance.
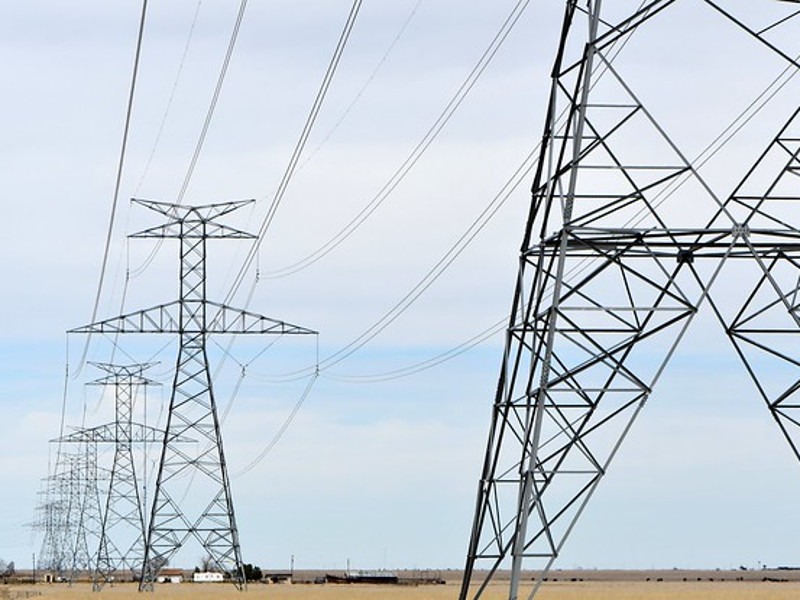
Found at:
(588, 590)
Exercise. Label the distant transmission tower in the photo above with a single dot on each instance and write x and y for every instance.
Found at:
(122, 532)
(85, 503)
(610, 278)
(71, 512)
(192, 496)
(103, 531)
(52, 521)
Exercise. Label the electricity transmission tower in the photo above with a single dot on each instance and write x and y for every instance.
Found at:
(610, 278)
(84, 507)
(122, 531)
(192, 496)
(71, 512)
(52, 521)
(78, 532)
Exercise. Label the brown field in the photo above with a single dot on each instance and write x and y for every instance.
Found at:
(561, 590)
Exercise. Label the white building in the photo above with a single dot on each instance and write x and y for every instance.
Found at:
(207, 577)
(170, 576)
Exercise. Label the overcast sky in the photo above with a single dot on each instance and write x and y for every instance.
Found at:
(381, 473)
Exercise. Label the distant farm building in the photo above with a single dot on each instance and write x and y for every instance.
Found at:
(170, 576)
(277, 577)
(380, 577)
(207, 577)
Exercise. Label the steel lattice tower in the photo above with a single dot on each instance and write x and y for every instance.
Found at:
(192, 410)
(97, 540)
(122, 531)
(48, 521)
(72, 511)
(609, 281)
(86, 492)
(53, 556)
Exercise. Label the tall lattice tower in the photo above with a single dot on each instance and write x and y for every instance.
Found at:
(72, 510)
(122, 531)
(610, 278)
(192, 496)
(52, 520)
(102, 529)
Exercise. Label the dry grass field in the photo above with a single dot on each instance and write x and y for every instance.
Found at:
(588, 590)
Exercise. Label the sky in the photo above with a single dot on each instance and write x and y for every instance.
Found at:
(378, 471)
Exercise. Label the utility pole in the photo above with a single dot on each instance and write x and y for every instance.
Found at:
(199, 480)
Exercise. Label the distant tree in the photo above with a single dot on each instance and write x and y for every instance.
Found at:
(10, 569)
(207, 564)
(252, 573)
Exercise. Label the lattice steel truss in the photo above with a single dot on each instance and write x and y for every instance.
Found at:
(69, 515)
(609, 281)
(49, 520)
(122, 532)
(192, 495)
(68, 508)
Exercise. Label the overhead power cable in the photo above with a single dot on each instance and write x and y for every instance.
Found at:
(292, 165)
(322, 92)
(170, 100)
(452, 253)
(424, 365)
(298, 149)
(455, 250)
(723, 138)
(214, 99)
(279, 434)
(410, 370)
(363, 87)
(198, 146)
(519, 175)
(416, 153)
(206, 122)
(118, 182)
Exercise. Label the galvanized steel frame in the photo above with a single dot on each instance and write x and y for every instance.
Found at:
(607, 287)
(193, 409)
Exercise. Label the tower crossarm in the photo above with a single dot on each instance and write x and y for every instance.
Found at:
(140, 433)
(165, 318)
(227, 319)
(210, 230)
(186, 222)
(204, 212)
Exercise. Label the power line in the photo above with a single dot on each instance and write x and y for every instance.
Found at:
(120, 165)
(301, 142)
(171, 98)
(206, 122)
(410, 161)
(424, 365)
(364, 86)
(214, 99)
(279, 434)
(438, 269)
(427, 280)
(721, 140)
